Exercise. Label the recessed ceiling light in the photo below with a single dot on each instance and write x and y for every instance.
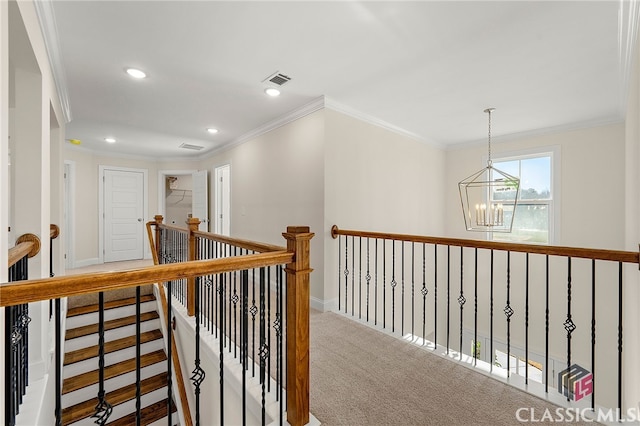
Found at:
(212, 130)
(110, 140)
(135, 73)
(272, 92)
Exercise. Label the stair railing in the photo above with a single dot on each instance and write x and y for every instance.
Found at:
(410, 284)
(16, 325)
(296, 259)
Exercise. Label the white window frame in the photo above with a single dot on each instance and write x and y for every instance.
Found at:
(554, 203)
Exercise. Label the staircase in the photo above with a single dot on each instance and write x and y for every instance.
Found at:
(81, 376)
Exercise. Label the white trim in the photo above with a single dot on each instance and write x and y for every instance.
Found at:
(309, 108)
(214, 190)
(47, 20)
(147, 158)
(628, 23)
(322, 305)
(70, 213)
(146, 254)
(344, 109)
(515, 137)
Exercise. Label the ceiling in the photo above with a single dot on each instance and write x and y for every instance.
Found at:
(427, 69)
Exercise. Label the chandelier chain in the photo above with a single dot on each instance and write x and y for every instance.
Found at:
(489, 111)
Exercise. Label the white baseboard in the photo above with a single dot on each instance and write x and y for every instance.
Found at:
(323, 305)
(86, 262)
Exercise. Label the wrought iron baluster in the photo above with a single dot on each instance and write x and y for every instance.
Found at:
(198, 374)
(375, 285)
(461, 298)
(253, 310)
(221, 343)
(413, 273)
(280, 335)
(569, 325)
(340, 273)
(102, 409)
(593, 333)
(360, 279)
(58, 360)
(508, 311)
(368, 279)
(384, 284)
(424, 292)
(268, 329)
(169, 351)
(264, 349)
(353, 275)
(620, 318)
(138, 355)
(491, 353)
(346, 271)
(245, 339)
(448, 294)
(475, 309)
(393, 286)
(546, 327)
(435, 296)
(402, 298)
(526, 321)
(235, 298)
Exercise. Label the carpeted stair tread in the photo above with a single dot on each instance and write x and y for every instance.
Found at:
(148, 415)
(115, 345)
(88, 309)
(90, 378)
(87, 408)
(109, 325)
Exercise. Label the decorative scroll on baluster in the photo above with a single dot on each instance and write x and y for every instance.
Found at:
(508, 311)
(461, 299)
(263, 352)
(368, 279)
(198, 374)
(103, 409)
(393, 286)
(569, 325)
(424, 292)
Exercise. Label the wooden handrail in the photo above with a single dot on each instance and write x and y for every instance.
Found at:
(26, 245)
(585, 253)
(54, 231)
(245, 244)
(28, 291)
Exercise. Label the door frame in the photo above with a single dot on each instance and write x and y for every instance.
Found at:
(162, 186)
(145, 206)
(69, 183)
(216, 201)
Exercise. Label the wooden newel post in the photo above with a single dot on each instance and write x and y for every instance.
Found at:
(158, 218)
(192, 223)
(298, 241)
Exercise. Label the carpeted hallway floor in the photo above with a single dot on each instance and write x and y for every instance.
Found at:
(360, 376)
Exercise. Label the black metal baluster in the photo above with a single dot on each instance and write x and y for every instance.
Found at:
(198, 374)
(58, 358)
(569, 326)
(393, 286)
(384, 284)
(169, 351)
(620, 337)
(264, 349)
(435, 296)
(353, 274)
(103, 409)
(593, 333)
(402, 298)
(508, 311)
(346, 271)
(424, 292)
(360, 279)
(413, 269)
(368, 279)
(268, 329)
(526, 322)
(235, 298)
(475, 310)
(448, 294)
(9, 413)
(221, 343)
(245, 339)
(339, 273)
(546, 326)
(280, 335)
(491, 353)
(461, 298)
(375, 285)
(138, 355)
(254, 311)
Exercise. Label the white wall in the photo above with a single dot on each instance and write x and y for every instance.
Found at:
(377, 180)
(277, 181)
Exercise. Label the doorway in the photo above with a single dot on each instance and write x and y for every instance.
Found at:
(182, 193)
(123, 207)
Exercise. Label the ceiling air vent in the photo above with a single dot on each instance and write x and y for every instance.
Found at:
(193, 147)
(278, 79)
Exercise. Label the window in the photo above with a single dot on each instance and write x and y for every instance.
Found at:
(534, 219)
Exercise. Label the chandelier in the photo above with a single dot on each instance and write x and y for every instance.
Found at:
(489, 196)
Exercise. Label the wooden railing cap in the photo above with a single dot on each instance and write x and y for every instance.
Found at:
(30, 238)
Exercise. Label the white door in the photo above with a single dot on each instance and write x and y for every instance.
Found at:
(123, 215)
(200, 200)
(223, 195)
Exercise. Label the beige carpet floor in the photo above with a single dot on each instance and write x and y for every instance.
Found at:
(360, 376)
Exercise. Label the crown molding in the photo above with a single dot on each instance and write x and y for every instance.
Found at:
(120, 155)
(628, 23)
(47, 19)
(513, 137)
(309, 108)
(343, 109)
